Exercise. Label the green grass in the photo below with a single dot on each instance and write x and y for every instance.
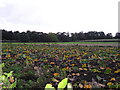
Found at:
(66, 43)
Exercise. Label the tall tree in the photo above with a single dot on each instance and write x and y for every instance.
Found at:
(53, 37)
(109, 36)
(17, 35)
(117, 36)
(24, 37)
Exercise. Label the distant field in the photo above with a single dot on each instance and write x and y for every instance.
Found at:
(70, 43)
(96, 41)
(66, 43)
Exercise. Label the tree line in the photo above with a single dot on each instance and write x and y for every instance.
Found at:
(33, 36)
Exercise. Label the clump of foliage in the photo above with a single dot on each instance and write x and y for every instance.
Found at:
(61, 85)
(7, 80)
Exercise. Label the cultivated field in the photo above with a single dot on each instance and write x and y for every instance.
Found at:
(84, 43)
(88, 66)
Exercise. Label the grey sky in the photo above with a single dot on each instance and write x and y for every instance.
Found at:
(59, 15)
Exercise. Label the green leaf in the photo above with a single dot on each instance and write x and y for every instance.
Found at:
(4, 87)
(2, 77)
(62, 84)
(98, 77)
(8, 74)
(13, 85)
(69, 86)
(113, 86)
(49, 87)
(107, 71)
(3, 65)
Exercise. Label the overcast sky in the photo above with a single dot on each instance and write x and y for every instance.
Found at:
(59, 15)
